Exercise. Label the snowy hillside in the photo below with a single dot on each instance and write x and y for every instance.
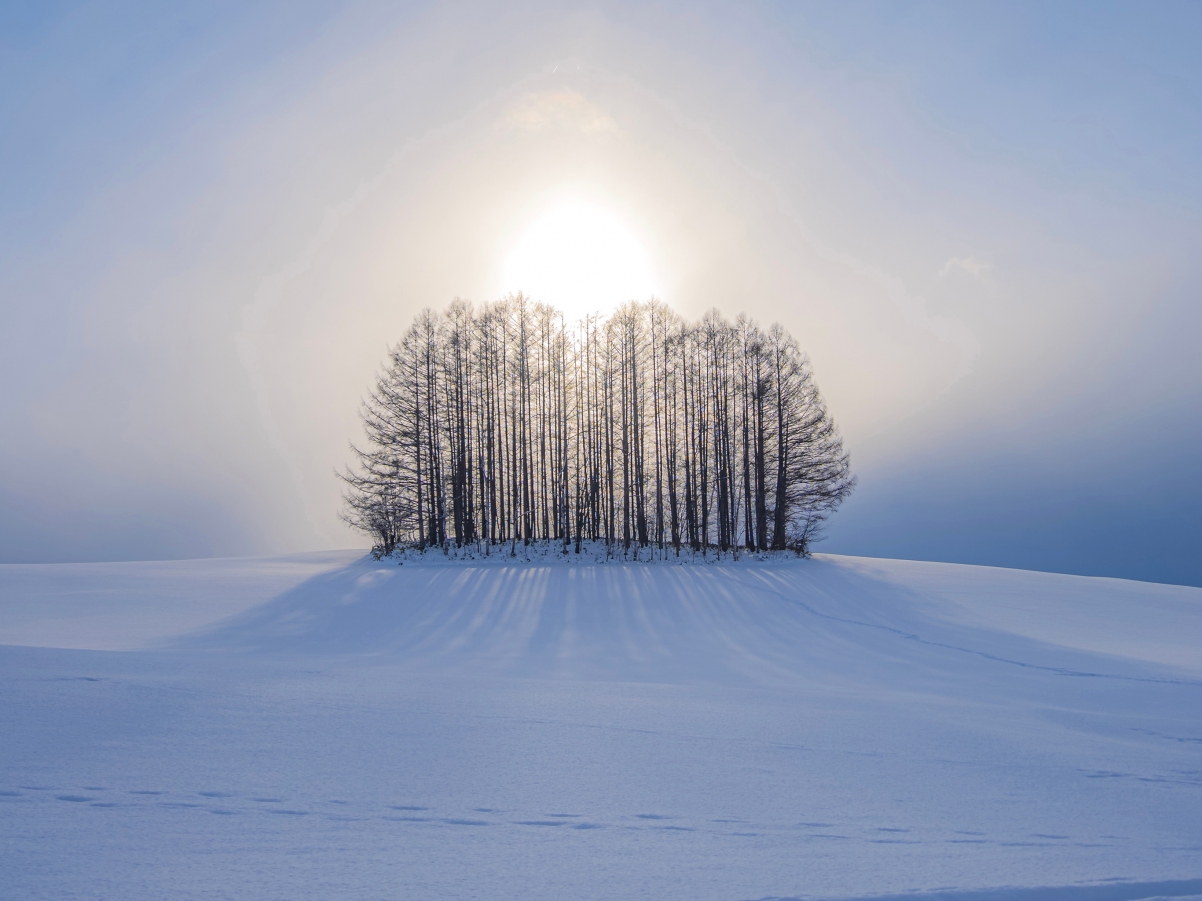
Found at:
(326, 726)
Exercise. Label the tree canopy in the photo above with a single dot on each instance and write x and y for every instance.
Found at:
(502, 423)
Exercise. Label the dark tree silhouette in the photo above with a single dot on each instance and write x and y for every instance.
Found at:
(501, 424)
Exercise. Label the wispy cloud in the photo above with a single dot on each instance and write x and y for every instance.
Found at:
(563, 109)
(974, 267)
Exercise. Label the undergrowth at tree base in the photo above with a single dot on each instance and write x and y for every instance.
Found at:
(555, 551)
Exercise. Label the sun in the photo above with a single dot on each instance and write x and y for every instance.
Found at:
(580, 258)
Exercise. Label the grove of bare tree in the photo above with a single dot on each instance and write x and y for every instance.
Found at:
(502, 424)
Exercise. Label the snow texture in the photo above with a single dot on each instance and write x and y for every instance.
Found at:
(328, 726)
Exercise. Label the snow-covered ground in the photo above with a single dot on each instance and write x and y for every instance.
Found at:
(329, 727)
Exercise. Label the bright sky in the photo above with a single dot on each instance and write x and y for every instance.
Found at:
(580, 257)
(981, 221)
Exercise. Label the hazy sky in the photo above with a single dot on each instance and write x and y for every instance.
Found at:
(983, 222)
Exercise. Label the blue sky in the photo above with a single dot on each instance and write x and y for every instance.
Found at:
(981, 220)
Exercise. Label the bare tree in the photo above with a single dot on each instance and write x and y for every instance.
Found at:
(500, 424)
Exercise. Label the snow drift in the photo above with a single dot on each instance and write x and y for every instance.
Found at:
(769, 622)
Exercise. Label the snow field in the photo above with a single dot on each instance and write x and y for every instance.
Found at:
(330, 726)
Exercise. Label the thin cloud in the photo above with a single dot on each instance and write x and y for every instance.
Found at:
(974, 267)
(563, 109)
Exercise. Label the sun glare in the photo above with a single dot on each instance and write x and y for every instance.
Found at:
(581, 259)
